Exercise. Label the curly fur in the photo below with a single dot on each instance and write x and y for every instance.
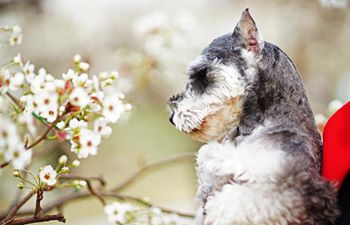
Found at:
(262, 159)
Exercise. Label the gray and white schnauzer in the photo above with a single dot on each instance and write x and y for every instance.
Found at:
(261, 161)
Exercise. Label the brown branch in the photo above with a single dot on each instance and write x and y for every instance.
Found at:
(44, 136)
(78, 196)
(89, 185)
(132, 178)
(111, 194)
(4, 164)
(15, 101)
(40, 139)
(38, 210)
(100, 179)
(18, 205)
(41, 218)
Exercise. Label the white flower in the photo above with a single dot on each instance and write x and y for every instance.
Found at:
(17, 29)
(88, 140)
(101, 126)
(73, 128)
(84, 66)
(47, 103)
(75, 123)
(61, 125)
(79, 97)
(18, 59)
(77, 58)
(9, 137)
(10, 82)
(120, 213)
(19, 156)
(76, 163)
(112, 108)
(16, 38)
(28, 100)
(18, 79)
(5, 81)
(48, 175)
(333, 106)
(28, 120)
(69, 75)
(63, 159)
(28, 70)
(43, 82)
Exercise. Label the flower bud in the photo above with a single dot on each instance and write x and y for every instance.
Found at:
(20, 185)
(65, 170)
(63, 159)
(75, 163)
(77, 58)
(84, 66)
(16, 173)
(128, 107)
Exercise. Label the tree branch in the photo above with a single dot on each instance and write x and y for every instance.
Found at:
(78, 196)
(38, 210)
(89, 185)
(40, 139)
(132, 178)
(41, 218)
(15, 101)
(14, 209)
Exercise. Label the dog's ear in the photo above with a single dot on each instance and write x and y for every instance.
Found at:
(247, 32)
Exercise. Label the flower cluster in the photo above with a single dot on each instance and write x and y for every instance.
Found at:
(16, 36)
(125, 213)
(78, 106)
(11, 145)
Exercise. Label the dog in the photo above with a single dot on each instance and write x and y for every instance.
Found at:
(261, 161)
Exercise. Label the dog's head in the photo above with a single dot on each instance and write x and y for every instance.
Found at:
(210, 106)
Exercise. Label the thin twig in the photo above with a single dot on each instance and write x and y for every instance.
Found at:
(4, 164)
(41, 218)
(89, 185)
(15, 101)
(78, 196)
(14, 209)
(132, 178)
(100, 179)
(44, 136)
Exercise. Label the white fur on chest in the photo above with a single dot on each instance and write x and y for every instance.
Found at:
(236, 182)
(252, 160)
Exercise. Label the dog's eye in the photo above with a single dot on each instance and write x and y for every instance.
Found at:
(199, 81)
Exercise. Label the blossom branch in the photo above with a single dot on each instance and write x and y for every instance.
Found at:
(15, 101)
(40, 139)
(14, 210)
(82, 195)
(89, 185)
(44, 136)
(41, 218)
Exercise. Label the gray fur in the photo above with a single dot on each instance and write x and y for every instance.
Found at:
(275, 98)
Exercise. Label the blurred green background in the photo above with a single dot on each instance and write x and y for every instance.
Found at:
(150, 43)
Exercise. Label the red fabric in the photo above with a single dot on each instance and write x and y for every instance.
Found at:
(336, 146)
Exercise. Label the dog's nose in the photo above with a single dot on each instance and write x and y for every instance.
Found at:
(171, 119)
